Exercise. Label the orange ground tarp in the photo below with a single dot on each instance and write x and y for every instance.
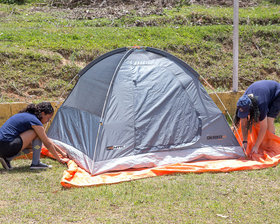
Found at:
(268, 156)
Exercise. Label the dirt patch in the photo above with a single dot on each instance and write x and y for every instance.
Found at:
(93, 12)
(145, 3)
(115, 9)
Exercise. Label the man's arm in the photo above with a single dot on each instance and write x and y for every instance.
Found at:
(244, 129)
(262, 131)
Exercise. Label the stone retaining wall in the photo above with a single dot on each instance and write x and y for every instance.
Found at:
(9, 109)
(229, 100)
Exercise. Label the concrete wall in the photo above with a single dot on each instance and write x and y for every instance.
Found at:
(229, 100)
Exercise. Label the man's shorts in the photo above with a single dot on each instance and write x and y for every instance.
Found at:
(9, 149)
(274, 107)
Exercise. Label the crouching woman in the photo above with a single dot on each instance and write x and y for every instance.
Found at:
(24, 131)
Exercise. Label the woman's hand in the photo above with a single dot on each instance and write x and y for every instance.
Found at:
(60, 151)
(64, 154)
(64, 160)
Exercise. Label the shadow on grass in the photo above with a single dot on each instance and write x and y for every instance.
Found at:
(21, 169)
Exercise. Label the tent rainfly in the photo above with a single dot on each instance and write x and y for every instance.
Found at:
(140, 107)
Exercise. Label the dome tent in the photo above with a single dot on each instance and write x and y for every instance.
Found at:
(140, 107)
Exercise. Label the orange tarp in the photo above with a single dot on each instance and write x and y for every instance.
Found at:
(268, 156)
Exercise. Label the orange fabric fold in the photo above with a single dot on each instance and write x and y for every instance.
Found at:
(268, 156)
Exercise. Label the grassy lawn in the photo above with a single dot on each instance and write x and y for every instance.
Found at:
(237, 197)
(42, 49)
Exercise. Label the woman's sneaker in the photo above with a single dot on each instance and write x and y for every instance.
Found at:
(40, 166)
(6, 164)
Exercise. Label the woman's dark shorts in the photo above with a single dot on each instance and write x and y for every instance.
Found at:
(9, 149)
(274, 108)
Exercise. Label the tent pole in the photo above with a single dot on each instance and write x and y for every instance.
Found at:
(107, 96)
(235, 46)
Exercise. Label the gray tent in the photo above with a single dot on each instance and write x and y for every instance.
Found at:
(142, 107)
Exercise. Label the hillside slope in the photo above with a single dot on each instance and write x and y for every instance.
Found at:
(43, 46)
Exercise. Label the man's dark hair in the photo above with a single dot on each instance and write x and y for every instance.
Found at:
(254, 113)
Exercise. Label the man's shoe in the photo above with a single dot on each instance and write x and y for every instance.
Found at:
(40, 166)
(6, 163)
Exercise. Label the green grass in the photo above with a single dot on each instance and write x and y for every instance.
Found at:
(236, 197)
(47, 46)
(277, 127)
(42, 51)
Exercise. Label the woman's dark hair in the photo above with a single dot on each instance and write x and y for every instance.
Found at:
(45, 107)
(253, 111)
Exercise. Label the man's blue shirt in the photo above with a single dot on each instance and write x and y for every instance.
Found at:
(265, 92)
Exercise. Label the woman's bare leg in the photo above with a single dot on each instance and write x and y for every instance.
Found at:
(27, 138)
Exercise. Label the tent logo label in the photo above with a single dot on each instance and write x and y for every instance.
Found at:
(114, 147)
(216, 137)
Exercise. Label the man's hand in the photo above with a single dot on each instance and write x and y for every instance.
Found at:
(245, 146)
(254, 150)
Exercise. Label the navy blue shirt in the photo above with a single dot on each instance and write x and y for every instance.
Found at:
(265, 92)
(18, 124)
